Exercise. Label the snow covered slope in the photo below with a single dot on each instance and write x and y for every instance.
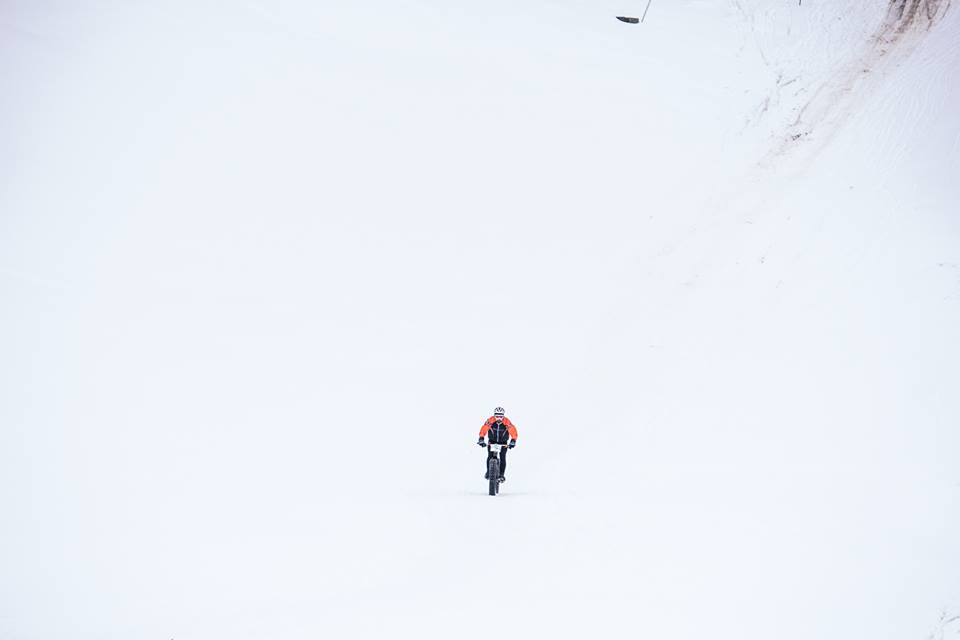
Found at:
(265, 269)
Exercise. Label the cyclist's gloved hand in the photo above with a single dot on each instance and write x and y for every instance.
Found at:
(482, 442)
(512, 444)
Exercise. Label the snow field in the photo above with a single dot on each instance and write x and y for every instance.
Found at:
(266, 269)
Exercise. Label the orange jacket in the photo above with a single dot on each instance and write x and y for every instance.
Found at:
(512, 430)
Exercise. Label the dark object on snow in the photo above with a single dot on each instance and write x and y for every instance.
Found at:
(628, 20)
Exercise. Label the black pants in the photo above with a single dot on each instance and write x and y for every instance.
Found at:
(503, 460)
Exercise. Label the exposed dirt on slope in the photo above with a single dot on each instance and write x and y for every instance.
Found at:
(905, 25)
(904, 15)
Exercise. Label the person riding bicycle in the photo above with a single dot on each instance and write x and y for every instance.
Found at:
(500, 431)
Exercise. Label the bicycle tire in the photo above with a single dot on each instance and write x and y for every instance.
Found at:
(493, 470)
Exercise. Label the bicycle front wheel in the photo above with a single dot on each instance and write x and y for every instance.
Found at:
(493, 472)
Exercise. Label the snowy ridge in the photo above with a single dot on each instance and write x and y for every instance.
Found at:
(820, 82)
(849, 86)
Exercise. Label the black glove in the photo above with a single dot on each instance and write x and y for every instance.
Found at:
(482, 442)
(512, 444)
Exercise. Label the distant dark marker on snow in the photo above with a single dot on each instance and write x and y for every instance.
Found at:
(631, 20)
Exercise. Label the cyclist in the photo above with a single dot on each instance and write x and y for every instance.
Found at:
(500, 431)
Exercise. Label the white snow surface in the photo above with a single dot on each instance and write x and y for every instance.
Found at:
(265, 268)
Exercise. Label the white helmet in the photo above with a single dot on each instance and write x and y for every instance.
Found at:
(499, 412)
